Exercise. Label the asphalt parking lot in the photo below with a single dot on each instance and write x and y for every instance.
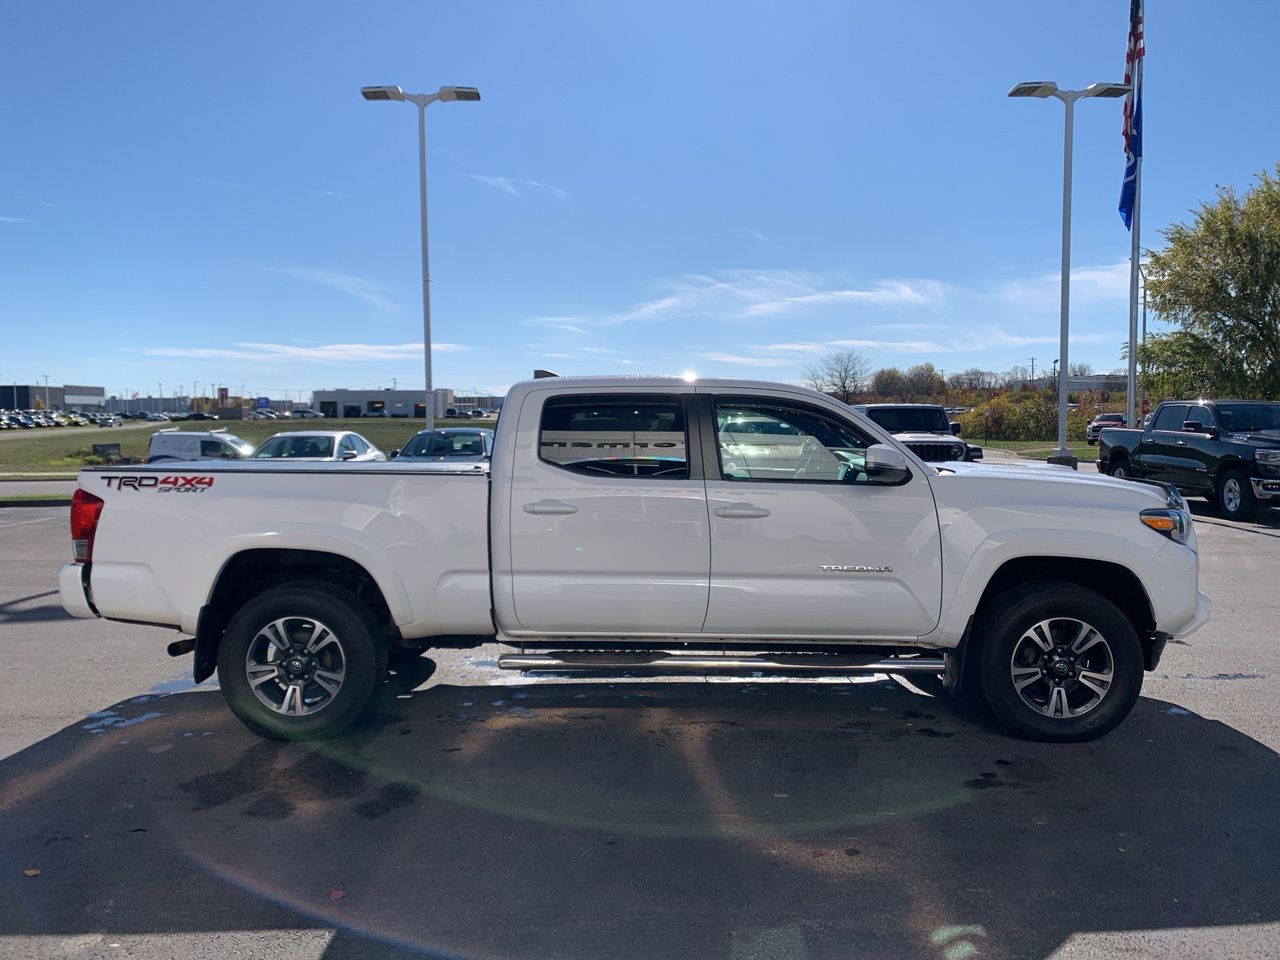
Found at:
(477, 815)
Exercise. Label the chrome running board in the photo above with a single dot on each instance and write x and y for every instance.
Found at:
(696, 663)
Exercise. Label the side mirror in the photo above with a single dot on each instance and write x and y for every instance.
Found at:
(886, 465)
(392, 454)
(348, 454)
(955, 428)
(1195, 426)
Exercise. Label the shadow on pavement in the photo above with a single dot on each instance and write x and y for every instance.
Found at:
(1267, 522)
(20, 611)
(641, 820)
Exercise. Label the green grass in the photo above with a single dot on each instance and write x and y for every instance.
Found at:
(68, 447)
(1040, 449)
(15, 497)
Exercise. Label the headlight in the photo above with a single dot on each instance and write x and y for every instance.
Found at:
(957, 453)
(1174, 524)
(1267, 456)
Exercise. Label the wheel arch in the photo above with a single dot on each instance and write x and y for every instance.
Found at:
(248, 573)
(1114, 581)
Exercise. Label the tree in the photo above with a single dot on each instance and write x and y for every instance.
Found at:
(840, 374)
(1080, 369)
(922, 382)
(1218, 282)
(888, 383)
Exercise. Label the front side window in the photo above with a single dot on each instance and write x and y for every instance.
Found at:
(778, 441)
(302, 448)
(216, 448)
(616, 436)
(348, 445)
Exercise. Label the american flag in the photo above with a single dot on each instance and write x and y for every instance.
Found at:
(1132, 112)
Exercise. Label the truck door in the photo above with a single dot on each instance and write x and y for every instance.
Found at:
(1196, 454)
(802, 543)
(608, 527)
(1162, 450)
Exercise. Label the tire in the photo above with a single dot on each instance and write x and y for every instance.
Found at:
(1092, 647)
(1235, 496)
(1120, 469)
(1090, 442)
(315, 692)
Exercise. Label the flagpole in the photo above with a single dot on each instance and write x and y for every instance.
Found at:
(1135, 254)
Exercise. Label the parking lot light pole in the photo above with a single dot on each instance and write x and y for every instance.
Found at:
(420, 100)
(1041, 89)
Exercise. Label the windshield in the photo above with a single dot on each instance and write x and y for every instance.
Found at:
(911, 419)
(242, 447)
(445, 445)
(1249, 417)
(295, 447)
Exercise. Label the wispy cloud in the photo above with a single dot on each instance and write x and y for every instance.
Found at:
(214, 182)
(759, 235)
(359, 287)
(326, 353)
(1088, 284)
(513, 185)
(564, 324)
(15, 219)
(744, 360)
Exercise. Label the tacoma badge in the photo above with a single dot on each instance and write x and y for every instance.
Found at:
(853, 568)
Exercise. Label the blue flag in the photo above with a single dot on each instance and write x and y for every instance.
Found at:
(1132, 113)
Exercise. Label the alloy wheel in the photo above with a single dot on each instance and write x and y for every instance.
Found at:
(1062, 667)
(295, 666)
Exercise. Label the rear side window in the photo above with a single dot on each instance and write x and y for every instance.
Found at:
(616, 436)
(1170, 417)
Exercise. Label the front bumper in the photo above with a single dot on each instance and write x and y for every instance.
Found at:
(1203, 608)
(1265, 488)
(73, 592)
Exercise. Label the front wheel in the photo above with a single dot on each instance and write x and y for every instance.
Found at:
(300, 661)
(1059, 663)
(1235, 496)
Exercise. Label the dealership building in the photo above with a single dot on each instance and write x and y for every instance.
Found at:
(396, 403)
(20, 396)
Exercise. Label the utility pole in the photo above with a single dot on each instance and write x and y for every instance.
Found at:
(1033, 371)
(46, 390)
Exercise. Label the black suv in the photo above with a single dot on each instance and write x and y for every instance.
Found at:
(923, 429)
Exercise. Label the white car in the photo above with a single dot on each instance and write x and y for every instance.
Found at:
(306, 415)
(339, 445)
(175, 444)
(650, 524)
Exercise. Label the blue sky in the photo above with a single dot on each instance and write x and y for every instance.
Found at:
(197, 193)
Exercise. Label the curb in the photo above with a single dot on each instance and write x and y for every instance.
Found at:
(39, 502)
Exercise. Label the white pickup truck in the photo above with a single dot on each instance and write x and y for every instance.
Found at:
(649, 524)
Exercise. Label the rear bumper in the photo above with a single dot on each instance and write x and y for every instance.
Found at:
(1265, 488)
(73, 593)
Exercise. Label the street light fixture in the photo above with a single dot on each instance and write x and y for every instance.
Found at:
(1043, 89)
(420, 100)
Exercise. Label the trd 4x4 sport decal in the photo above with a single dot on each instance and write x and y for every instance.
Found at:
(161, 484)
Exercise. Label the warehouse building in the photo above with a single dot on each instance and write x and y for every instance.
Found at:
(20, 396)
(408, 404)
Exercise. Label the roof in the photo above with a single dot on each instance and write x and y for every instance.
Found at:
(640, 382)
(311, 433)
(879, 406)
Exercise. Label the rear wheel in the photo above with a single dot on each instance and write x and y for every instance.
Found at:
(1120, 468)
(1235, 496)
(300, 661)
(1059, 663)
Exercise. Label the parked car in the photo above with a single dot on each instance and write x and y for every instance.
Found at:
(1227, 451)
(156, 418)
(338, 445)
(923, 429)
(380, 414)
(306, 415)
(175, 444)
(1094, 426)
(451, 444)
(202, 416)
(609, 535)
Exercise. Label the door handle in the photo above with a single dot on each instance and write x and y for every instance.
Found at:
(741, 511)
(1182, 443)
(556, 508)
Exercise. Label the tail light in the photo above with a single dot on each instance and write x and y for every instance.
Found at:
(85, 510)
